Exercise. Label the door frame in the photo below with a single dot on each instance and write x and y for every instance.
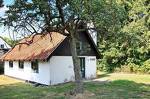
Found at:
(82, 66)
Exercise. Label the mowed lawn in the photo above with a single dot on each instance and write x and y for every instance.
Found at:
(108, 86)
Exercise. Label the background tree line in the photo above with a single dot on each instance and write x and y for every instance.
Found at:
(128, 48)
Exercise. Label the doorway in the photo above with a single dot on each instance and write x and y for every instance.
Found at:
(82, 64)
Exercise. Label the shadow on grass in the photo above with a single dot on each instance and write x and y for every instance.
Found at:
(103, 75)
(118, 89)
(28, 91)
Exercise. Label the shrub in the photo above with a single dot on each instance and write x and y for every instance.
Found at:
(145, 68)
(117, 69)
(103, 66)
(134, 68)
(129, 68)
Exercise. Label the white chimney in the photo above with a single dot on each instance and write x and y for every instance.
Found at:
(92, 32)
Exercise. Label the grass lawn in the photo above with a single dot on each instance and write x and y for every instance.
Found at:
(120, 86)
(124, 76)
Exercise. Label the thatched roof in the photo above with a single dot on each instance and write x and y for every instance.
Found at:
(35, 47)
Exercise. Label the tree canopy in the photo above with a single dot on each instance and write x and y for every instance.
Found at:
(129, 47)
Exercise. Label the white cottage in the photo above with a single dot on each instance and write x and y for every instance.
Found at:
(47, 59)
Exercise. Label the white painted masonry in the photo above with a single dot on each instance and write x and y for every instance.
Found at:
(42, 77)
(90, 67)
(59, 69)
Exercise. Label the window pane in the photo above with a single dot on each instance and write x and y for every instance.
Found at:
(2, 46)
(21, 64)
(34, 66)
(11, 64)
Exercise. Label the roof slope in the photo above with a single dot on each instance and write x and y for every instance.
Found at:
(35, 47)
(98, 55)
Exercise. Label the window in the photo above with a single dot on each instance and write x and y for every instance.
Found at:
(2, 46)
(35, 66)
(21, 64)
(11, 64)
(79, 45)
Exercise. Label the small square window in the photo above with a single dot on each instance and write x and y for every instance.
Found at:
(11, 64)
(2, 46)
(35, 66)
(21, 64)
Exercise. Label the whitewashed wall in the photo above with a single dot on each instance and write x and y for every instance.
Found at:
(59, 69)
(90, 70)
(27, 74)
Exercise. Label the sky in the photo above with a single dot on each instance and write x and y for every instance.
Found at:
(2, 12)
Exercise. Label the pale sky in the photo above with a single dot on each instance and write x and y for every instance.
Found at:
(2, 12)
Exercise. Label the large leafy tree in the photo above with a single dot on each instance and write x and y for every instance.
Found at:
(9, 41)
(131, 43)
(42, 16)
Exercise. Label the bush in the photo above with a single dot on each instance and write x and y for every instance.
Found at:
(134, 68)
(129, 68)
(103, 66)
(145, 68)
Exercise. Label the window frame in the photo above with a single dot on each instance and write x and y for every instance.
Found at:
(79, 45)
(2, 46)
(35, 66)
(21, 64)
(11, 64)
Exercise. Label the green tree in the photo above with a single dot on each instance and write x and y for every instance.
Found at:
(42, 16)
(131, 43)
(9, 41)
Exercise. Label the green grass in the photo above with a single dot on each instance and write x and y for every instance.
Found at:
(138, 78)
(118, 88)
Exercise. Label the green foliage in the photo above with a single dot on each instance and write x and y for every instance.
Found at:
(134, 68)
(145, 68)
(11, 42)
(129, 68)
(128, 49)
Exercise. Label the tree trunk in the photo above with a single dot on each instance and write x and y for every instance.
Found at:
(77, 68)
